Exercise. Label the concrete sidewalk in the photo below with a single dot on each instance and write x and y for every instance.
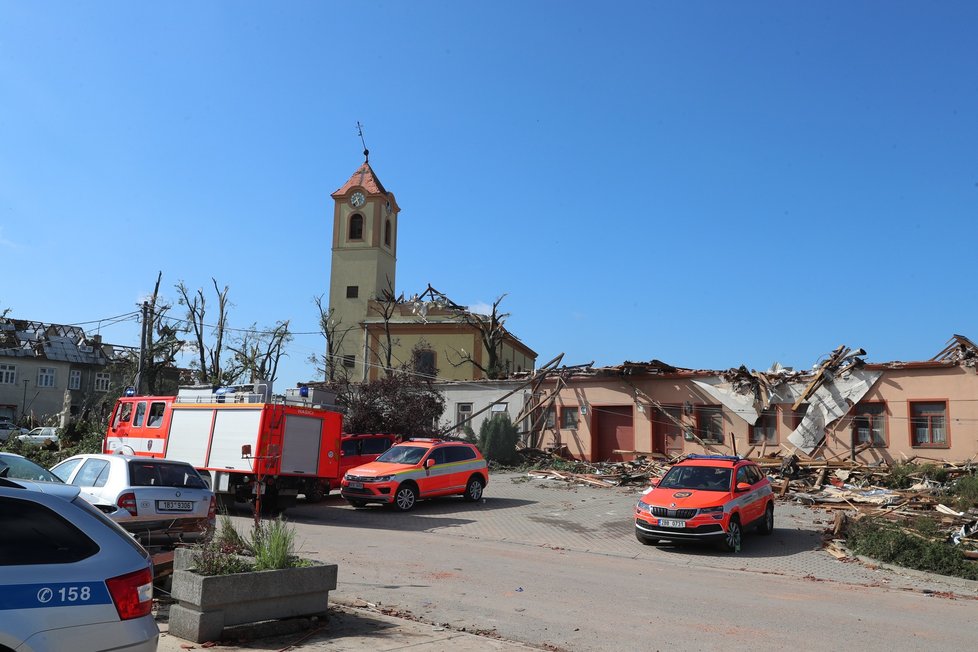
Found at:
(348, 627)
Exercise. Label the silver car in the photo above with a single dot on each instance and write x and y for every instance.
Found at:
(155, 499)
(13, 465)
(42, 436)
(70, 579)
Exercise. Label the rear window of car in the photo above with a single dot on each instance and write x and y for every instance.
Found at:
(34, 534)
(12, 466)
(459, 454)
(161, 474)
(375, 445)
(81, 503)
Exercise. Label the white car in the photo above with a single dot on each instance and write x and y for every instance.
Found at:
(152, 498)
(70, 579)
(40, 436)
(18, 466)
(8, 429)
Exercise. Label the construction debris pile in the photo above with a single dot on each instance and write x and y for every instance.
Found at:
(850, 489)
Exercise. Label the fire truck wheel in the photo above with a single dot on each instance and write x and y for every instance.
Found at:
(405, 498)
(317, 493)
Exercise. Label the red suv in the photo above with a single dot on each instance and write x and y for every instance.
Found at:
(706, 498)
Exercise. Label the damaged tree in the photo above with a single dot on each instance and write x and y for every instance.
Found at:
(332, 331)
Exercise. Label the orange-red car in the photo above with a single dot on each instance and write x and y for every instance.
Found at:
(417, 468)
(706, 498)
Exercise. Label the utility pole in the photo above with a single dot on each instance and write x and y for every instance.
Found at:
(142, 349)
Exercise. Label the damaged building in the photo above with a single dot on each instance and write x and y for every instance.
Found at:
(844, 408)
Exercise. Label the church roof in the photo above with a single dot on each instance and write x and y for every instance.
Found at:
(365, 178)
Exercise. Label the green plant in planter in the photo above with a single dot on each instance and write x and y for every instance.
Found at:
(269, 546)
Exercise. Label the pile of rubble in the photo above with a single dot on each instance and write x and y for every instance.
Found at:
(850, 489)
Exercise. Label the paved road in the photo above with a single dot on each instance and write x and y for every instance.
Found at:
(557, 566)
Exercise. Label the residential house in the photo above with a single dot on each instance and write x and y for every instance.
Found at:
(51, 373)
(844, 409)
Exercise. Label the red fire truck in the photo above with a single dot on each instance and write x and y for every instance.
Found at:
(244, 442)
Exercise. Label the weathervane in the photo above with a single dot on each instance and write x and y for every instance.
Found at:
(366, 152)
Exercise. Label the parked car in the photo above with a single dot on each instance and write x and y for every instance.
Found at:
(148, 497)
(8, 429)
(417, 468)
(706, 498)
(18, 466)
(40, 436)
(355, 450)
(70, 579)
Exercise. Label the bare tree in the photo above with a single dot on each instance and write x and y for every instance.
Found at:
(492, 333)
(162, 344)
(330, 328)
(386, 305)
(257, 353)
(209, 366)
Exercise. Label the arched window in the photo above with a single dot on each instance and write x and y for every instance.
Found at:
(387, 233)
(356, 227)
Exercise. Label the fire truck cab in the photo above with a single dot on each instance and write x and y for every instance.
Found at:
(247, 444)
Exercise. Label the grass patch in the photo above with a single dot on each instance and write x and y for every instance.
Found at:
(269, 546)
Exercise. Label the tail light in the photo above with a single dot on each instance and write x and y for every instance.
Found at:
(132, 593)
(127, 501)
(212, 510)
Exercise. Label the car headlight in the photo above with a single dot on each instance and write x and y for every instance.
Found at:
(711, 510)
(382, 478)
(643, 507)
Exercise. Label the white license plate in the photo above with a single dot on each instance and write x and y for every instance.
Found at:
(665, 522)
(174, 505)
(356, 485)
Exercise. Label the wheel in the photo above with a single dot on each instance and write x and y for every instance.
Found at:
(405, 498)
(318, 492)
(766, 526)
(473, 490)
(357, 503)
(731, 542)
(645, 540)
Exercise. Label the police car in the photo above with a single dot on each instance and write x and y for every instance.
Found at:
(70, 579)
(706, 498)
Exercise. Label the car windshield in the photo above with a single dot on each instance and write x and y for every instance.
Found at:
(13, 466)
(157, 474)
(706, 478)
(403, 454)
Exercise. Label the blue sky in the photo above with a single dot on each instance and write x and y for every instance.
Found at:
(709, 184)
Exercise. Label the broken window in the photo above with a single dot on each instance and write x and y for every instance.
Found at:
(869, 424)
(569, 417)
(425, 363)
(928, 423)
(356, 227)
(709, 423)
(765, 430)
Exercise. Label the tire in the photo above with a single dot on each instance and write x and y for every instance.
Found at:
(357, 503)
(405, 498)
(766, 526)
(317, 493)
(473, 490)
(645, 540)
(732, 539)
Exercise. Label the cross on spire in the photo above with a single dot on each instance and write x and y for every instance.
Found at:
(366, 152)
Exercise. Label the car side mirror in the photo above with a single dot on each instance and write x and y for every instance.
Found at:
(743, 486)
(246, 451)
(430, 462)
(655, 481)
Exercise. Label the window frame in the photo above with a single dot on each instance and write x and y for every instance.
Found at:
(74, 379)
(8, 374)
(856, 414)
(47, 377)
(752, 438)
(352, 291)
(349, 361)
(387, 233)
(701, 413)
(570, 417)
(355, 229)
(911, 419)
(103, 381)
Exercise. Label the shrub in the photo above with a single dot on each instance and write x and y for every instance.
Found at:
(886, 542)
(269, 546)
(497, 439)
(966, 490)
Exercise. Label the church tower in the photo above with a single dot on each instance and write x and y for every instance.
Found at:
(364, 263)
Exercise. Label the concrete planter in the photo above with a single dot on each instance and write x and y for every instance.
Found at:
(209, 603)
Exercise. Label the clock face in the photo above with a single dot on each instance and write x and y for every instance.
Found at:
(357, 199)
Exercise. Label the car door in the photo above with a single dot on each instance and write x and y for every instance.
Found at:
(91, 478)
(436, 476)
(749, 499)
(456, 457)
